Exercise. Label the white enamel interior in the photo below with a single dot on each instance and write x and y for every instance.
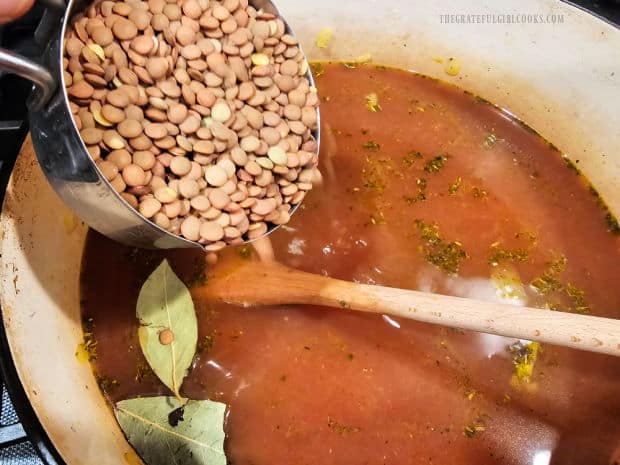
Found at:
(562, 79)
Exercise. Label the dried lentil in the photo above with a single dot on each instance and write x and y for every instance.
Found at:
(199, 114)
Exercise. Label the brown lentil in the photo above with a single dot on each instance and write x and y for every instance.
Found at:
(129, 128)
(118, 184)
(144, 159)
(133, 175)
(120, 158)
(149, 207)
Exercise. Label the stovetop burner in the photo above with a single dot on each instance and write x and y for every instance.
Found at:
(25, 442)
(15, 448)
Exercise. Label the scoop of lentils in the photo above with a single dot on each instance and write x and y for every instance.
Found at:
(198, 112)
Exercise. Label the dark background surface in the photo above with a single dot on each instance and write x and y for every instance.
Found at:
(26, 443)
(609, 9)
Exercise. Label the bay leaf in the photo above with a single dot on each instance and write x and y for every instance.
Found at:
(165, 306)
(197, 438)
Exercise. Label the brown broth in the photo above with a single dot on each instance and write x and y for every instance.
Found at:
(310, 385)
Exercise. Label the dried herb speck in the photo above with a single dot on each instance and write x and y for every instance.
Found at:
(472, 430)
(524, 356)
(578, 299)
(340, 428)
(612, 224)
(371, 145)
(479, 192)
(317, 69)
(421, 194)
(107, 384)
(435, 164)
(455, 186)
(447, 256)
(411, 157)
(205, 344)
(244, 252)
(498, 255)
(372, 103)
(549, 281)
(87, 349)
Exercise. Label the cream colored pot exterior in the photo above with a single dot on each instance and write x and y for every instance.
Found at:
(563, 79)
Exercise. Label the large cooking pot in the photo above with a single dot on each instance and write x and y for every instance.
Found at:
(560, 76)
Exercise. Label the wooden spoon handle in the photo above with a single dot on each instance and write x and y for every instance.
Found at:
(595, 334)
(270, 283)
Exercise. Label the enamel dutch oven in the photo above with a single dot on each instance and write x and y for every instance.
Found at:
(562, 77)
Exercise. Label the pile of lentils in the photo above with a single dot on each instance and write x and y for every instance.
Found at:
(198, 112)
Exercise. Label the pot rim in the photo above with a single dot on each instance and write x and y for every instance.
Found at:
(37, 434)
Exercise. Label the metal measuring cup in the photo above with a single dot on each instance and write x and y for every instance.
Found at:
(61, 153)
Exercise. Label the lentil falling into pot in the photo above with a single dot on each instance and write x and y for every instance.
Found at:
(425, 187)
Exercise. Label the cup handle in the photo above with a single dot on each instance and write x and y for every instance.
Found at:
(16, 64)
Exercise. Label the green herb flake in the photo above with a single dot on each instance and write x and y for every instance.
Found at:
(455, 186)
(558, 265)
(435, 164)
(199, 274)
(143, 370)
(372, 103)
(479, 193)
(377, 219)
(578, 299)
(447, 256)
(429, 232)
(317, 69)
(524, 356)
(87, 349)
(612, 224)
(411, 157)
(375, 176)
(526, 236)
(340, 428)
(371, 145)
(244, 252)
(571, 166)
(546, 284)
(477, 426)
(498, 255)
(205, 344)
(373, 184)
(421, 194)
(107, 384)
(549, 281)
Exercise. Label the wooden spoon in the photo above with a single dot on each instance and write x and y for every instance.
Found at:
(253, 283)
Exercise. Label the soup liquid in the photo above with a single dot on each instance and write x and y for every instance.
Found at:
(435, 190)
